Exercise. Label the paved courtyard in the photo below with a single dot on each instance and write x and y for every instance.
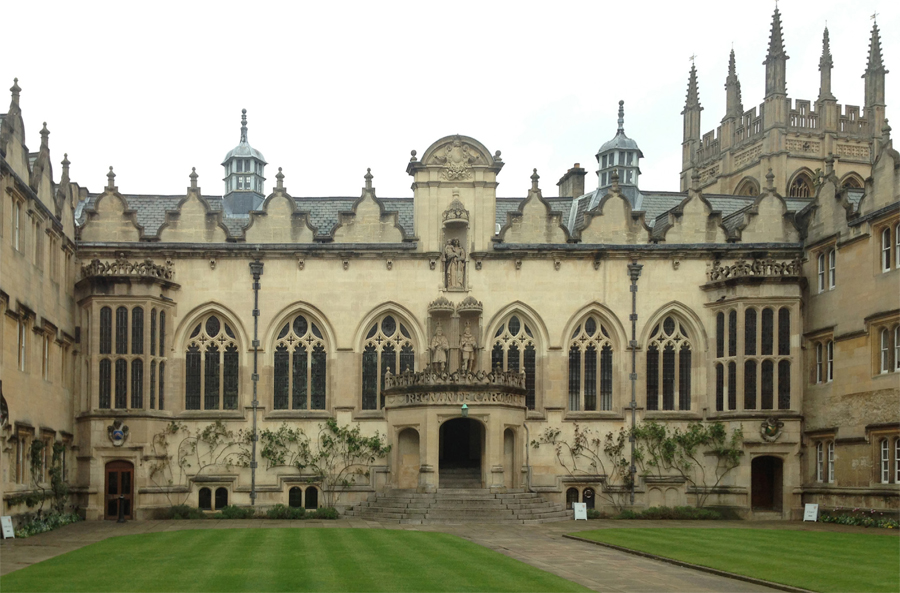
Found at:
(542, 546)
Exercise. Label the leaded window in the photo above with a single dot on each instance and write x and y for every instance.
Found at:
(153, 332)
(106, 330)
(514, 349)
(122, 330)
(121, 383)
(670, 340)
(211, 366)
(137, 330)
(300, 366)
(137, 383)
(590, 367)
(105, 376)
(388, 345)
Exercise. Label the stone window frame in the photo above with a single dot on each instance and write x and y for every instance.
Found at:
(152, 366)
(741, 358)
(884, 336)
(684, 335)
(375, 340)
(821, 359)
(226, 343)
(17, 229)
(887, 245)
(22, 342)
(826, 267)
(602, 337)
(823, 462)
(292, 342)
(527, 335)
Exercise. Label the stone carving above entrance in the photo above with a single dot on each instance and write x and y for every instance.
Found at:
(454, 260)
(439, 348)
(468, 347)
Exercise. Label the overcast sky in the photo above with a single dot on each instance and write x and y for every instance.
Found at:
(156, 88)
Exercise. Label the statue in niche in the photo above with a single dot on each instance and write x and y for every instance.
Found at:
(467, 347)
(454, 259)
(439, 347)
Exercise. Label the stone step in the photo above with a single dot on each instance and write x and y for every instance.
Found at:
(470, 513)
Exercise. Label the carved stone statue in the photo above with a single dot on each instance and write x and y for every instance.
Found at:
(439, 347)
(454, 258)
(467, 347)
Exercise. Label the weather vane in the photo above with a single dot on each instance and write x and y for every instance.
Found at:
(692, 58)
(874, 16)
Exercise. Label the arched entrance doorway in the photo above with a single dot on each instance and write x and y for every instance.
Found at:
(119, 483)
(766, 483)
(461, 451)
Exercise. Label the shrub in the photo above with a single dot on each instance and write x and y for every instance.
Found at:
(595, 514)
(861, 518)
(279, 511)
(670, 513)
(326, 513)
(178, 512)
(48, 522)
(235, 512)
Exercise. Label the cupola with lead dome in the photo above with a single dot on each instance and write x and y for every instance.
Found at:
(244, 175)
(622, 154)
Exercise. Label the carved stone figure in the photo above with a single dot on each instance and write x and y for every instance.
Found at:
(454, 258)
(467, 347)
(439, 347)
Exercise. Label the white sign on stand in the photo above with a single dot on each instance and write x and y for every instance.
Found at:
(811, 512)
(580, 509)
(8, 531)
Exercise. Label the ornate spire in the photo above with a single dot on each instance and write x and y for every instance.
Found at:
(535, 176)
(776, 42)
(776, 59)
(825, 64)
(621, 120)
(733, 106)
(243, 125)
(875, 63)
(693, 94)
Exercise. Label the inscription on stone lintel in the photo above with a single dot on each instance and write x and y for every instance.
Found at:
(454, 398)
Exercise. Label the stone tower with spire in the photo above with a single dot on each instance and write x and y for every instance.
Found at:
(796, 139)
(244, 175)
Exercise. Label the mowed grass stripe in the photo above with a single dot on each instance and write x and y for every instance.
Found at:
(819, 561)
(262, 559)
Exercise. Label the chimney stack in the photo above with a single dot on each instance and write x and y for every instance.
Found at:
(571, 185)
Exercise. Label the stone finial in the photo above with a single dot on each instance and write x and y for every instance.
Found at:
(243, 125)
(875, 62)
(621, 120)
(45, 136)
(15, 90)
(368, 177)
(194, 177)
(776, 40)
(770, 180)
(886, 131)
(695, 180)
(693, 92)
(65, 165)
(111, 179)
(497, 158)
(534, 181)
(279, 180)
(412, 156)
(829, 164)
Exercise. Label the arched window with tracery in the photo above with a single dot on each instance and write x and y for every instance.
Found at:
(211, 366)
(590, 367)
(388, 346)
(747, 187)
(669, 366)
(300, 366)
(801, 186)
(514, 349)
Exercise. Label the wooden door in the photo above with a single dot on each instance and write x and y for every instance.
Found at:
(119, 481)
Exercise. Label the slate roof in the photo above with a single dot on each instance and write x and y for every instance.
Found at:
(151, 211)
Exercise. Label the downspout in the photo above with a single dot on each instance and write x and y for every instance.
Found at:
(634, 272)
(256, 268)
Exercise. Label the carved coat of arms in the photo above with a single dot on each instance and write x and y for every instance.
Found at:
(770, 429)
(457, 159)
(117, 433)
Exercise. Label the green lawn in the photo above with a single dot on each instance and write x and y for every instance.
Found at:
(815, 560)
(284, 560)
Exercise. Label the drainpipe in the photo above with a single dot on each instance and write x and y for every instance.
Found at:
(634, 272)
(256, 268)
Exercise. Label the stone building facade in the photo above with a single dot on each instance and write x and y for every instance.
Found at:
(766, 299)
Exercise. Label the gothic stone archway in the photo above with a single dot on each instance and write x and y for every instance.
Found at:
(461, 454)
